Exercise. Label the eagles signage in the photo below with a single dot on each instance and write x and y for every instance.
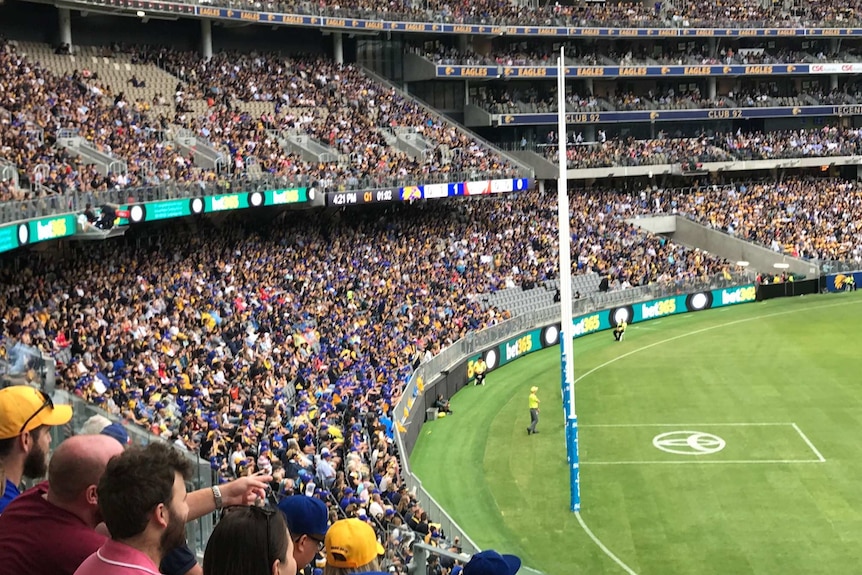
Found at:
(842, 282)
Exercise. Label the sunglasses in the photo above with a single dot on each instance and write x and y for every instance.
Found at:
(48, 403)
(320, 543)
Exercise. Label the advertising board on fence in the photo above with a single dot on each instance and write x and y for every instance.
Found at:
(843, 281)
(549, 336)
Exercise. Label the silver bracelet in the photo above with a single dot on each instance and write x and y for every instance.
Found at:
(219, 502)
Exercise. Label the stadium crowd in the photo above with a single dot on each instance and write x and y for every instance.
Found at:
(807, 217)
(285, 348)
(824, 142)
(40, 104)
(334, 104)
(532, 99)
(519, 99)
(735, 13)
(536, 53)
(817, 218)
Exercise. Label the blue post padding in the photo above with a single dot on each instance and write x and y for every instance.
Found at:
(571, 434)
(565, 385)
(567, 408)
(574, 462)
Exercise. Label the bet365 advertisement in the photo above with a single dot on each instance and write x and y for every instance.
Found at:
(549, 336)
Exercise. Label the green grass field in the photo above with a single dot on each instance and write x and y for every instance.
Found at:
(764, 504)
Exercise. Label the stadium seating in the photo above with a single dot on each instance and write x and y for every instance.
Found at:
(530, 100)
(824, 142)
(267, 333)
(518, 300)
(737, 13)
(424, 273)
(134, 123)
(814, 218)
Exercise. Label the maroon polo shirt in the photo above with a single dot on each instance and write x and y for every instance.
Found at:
(38, 538)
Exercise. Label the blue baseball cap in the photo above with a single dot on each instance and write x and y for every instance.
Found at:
(118, 432)
(492, 563)
(305, 515)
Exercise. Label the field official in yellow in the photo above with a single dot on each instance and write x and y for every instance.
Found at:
(534, 410)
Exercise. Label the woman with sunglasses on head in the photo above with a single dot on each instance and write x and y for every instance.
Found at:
(252, 541)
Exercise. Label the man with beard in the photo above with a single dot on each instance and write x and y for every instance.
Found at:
(65, 511)
(143, 501)
(25, 415)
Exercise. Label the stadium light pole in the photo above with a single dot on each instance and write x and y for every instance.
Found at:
(567, 366)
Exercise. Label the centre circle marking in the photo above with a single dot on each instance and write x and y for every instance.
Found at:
(688, 443)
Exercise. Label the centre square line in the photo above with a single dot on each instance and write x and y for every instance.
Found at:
(696, 459)
(809, 444)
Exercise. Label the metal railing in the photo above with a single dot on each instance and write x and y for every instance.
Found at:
(519, 164)
(53, 203)
(39, 174)
(8, 171)
(476, 341)
(837, 266)
(25, 364)
(65, 133)
(118, 167)
(36, 134)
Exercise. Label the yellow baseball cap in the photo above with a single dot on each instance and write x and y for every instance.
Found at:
(534, 389)
(351, 543)
(24, 408)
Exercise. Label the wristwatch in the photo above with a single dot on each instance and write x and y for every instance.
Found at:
(219, 502)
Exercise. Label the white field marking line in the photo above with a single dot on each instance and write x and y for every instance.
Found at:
(754, 424)
(705, 461)
(602, 546)
(710, 328)
(820, 459)
(808, 442)
(586, 529)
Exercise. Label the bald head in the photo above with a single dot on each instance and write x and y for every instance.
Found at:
(78, 463)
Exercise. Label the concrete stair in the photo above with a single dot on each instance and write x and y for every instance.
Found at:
(114, 72)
